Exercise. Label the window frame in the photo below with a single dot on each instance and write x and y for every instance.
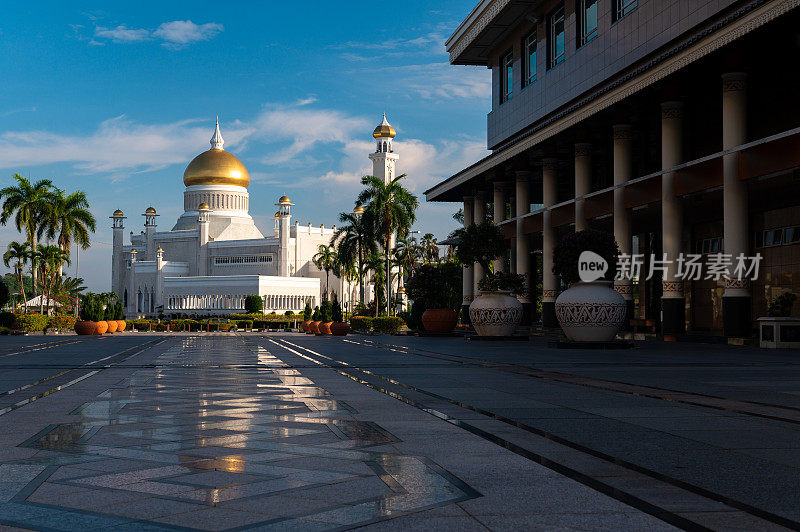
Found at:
(622, 8)
(506, 81)
(529, 71)
(554, 60)
(585, 37)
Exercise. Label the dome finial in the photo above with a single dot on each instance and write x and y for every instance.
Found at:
(216, 141)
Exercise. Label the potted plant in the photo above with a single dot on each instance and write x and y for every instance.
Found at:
(87, 325)
(325, 316)
(119, 314)
(494, 312)
(436, 292)
(339, 327)
(315, 321)
(588, 311)
(102, 324)
(307, 313)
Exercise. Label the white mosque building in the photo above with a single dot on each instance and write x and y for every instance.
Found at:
(215, 256)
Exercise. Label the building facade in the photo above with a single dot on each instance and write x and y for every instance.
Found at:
(215, 256)
(672, 124)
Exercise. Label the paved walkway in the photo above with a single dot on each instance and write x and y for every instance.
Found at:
(287, 431)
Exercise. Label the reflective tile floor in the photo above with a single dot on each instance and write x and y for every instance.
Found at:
(214, 434)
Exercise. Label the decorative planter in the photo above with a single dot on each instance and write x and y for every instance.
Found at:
(112, 326)
(325, 327)
(121, 324)
(85, 327)
(495, 314)
(591, 312)
(305, 326)
(439, 320)
(340, 328)
(314, 327)
(102, 327)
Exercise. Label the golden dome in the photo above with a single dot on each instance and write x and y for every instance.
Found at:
(150, 210)
(118, 212)
(133, 251)
(216, 167)
(159, 249)
(284, 200)
(358, 210)
(384, 130)
(203, 207)
(277, 214)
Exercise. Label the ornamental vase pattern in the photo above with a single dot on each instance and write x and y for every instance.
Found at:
(591, 312)
(495, 314)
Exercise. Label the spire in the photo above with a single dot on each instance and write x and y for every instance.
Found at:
(385, 122)
(216, 141)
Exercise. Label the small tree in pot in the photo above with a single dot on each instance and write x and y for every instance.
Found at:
(591, 310)
(307, 313)
(436, 290)
(494, 312)
(339, 327)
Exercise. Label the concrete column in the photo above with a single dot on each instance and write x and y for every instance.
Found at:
(737, 300)
(499, 214)
(673, 302)
(469, 273)
(133, 298)
(523, 205)
(583, 182)
(117, 261)
(479, 216)
(549, 286)
(623, 135)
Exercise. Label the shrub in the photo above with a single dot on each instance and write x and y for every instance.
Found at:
(30, 322)
(253, 304)
(781, 306)
(361, 323)
(336, 311)
(244, 324)
(5, 294)
(481, 243)
(326, 311)
(362, 310)
(569, 249)
(502, 281)
(436, 286)
(61, 322)
(418, 308)
(289, 313)
(307, 312)
(141, 325)
(7, 319)
(387, 324)
(315, 316)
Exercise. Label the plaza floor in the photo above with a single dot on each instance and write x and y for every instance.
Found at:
(297, 432)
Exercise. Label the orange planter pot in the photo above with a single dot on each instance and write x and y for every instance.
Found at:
(325, 327)
(85, 327)
(314, 327)
(112, 326)
(340, 328)
(305, 325)
(439, 320)
(102, 327)
(121, 325)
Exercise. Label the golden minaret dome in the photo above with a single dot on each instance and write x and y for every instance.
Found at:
(203, 207)
(284, 200)
(358, 210)
(150, 210)
(118, 212)
(216, 166)
(384, 130)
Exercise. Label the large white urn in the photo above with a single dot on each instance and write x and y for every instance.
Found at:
(591, 312)
(495, 314)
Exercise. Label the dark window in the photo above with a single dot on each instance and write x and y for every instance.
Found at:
(507, 65)
(587, 21)
(777, 237)
(556, 42)
(529, 59)
(767, 238)
(759, 239)
(623, 7)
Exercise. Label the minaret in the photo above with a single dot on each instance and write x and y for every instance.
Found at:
(384, 158)
(202, 244)
(217, 142)
(117, 261)
(284, 215)
(150, 216)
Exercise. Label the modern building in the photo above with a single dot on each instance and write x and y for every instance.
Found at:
(674, 124)
(215, 256)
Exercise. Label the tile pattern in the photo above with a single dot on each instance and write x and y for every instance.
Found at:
(218, 434)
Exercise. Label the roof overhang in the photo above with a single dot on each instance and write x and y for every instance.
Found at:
(488, 23)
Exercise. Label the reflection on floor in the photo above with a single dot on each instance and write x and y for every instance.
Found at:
(220, 434)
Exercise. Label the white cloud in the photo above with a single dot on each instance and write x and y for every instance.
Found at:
(122, 34)
(182, 32)
(173, 34)
(441, 80)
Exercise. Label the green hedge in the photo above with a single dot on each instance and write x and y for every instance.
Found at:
(361, 323)
(61, 322)
(7, 319)
(30, 322)
(387, 324)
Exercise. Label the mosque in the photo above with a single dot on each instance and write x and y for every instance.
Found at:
(215, 256)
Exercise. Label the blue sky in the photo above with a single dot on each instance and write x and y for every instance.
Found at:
(116, 98)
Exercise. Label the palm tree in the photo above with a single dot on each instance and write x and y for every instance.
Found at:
(430, 250)
(325, 259)
(21, 253)
(70, 218)
(374, 262)
(49, 260)
(29, 204)
(354, 239)
(393, 208)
